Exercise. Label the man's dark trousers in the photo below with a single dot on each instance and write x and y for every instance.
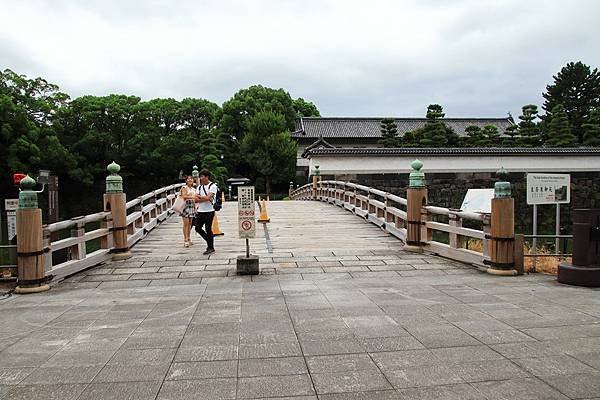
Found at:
(204, 222)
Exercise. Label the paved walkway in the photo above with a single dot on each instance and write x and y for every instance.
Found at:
(340, 312)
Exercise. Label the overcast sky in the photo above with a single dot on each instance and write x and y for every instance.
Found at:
(351, 58)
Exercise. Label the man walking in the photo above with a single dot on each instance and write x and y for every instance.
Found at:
(205, 211)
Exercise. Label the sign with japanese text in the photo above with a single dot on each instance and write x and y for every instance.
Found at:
(11, 206)
(246, 212)
(548, 188)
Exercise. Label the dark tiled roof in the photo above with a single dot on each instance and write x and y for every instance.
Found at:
(320, 143)
(507, 151)
(314, 127)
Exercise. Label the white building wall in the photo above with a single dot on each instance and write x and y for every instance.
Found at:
(335, 165)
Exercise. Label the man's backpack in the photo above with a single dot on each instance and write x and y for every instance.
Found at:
(218, 200)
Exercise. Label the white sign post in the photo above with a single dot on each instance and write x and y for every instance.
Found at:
(547, 189)
(11, 206)
(246, 215)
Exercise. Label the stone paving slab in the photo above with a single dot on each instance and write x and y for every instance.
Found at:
(358, 318)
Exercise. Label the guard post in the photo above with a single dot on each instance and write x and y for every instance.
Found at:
(114, 201)
(502, 230)
(416, 199)
(30, 249)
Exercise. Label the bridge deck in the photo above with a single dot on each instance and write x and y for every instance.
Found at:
(338, 309)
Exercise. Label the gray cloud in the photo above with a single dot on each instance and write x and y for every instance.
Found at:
(384, 57)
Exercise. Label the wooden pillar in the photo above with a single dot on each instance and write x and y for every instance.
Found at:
(30, 250)
(416, 199)
(78, 251)
(502, 230)
(519, 259)
(454, 239)
(114, 201)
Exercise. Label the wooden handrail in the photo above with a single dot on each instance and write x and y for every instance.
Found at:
(139, 222)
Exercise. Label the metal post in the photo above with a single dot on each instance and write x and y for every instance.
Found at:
(534, 243)
(247, 248)
(557, 243)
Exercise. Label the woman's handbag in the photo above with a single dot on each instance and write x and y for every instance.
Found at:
(179, 204)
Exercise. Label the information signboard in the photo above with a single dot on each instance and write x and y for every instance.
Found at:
(478, 201)
(548, 188)
(11, 206)
(246, 212)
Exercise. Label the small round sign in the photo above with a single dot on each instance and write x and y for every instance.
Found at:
(246, 225)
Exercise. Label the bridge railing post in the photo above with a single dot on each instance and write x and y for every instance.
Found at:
(416, 199)
(31, 264)
(502, 232)
(78, 250)
(114, 201)
(454, 239)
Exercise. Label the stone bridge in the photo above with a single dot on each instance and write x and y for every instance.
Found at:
(340, 310)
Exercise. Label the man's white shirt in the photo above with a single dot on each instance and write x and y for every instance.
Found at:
(204, 190)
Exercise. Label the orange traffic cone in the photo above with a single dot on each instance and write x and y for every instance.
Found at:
(264, 217)
(215, 227)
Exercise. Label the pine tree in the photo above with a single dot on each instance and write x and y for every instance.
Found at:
(435, 133)
(389, 133)
(434, 112)
(528, 128)
(591, 129)
(559, 131)
(475, 137)
(492, 136)
(577, 88)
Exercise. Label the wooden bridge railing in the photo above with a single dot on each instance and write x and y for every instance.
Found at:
(144, 213)
(114, 231)
(425, 227)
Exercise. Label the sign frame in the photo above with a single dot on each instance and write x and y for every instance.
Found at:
(11, 206)
(246, 212)
(548, 188)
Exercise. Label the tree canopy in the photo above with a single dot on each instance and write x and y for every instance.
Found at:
(577, 88)
(42, 128)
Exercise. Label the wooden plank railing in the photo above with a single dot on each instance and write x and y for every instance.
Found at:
(144, 213)
(389, 212)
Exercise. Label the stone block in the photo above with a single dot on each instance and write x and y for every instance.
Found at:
(247, 265)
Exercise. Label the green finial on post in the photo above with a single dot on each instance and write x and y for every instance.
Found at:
(195, 172)
(416, 178)
(316, 171)
(114, 182)
(502, 187)
(27, 197)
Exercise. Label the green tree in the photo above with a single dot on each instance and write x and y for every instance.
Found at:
(389, 133)
(412, 138)
(305, 108)
(28, 140)
(577, 88)
(528, 128)
(436, 133)
(475, 137)
(591, 129)
(246, 103)
(97, 129)
(269, 148)
(492, 136)
(559, 132)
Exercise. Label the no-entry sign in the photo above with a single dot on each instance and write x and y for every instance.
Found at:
(246, 213)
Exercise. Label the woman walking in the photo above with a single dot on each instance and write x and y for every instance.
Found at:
(188, 193)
